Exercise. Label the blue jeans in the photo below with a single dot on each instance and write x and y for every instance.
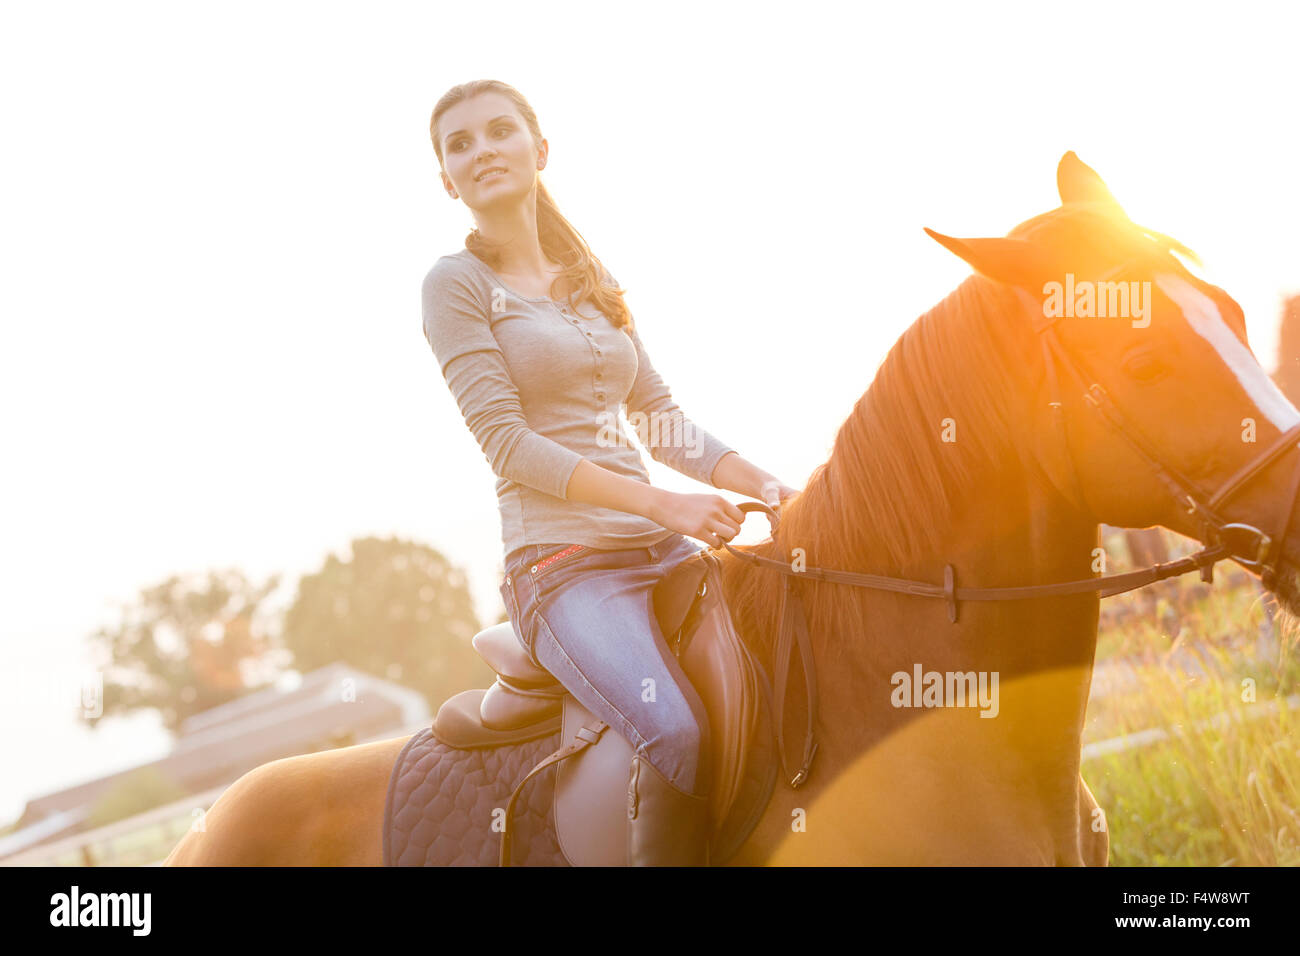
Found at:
(588, 618)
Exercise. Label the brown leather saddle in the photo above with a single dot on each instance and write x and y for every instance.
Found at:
(592, 765)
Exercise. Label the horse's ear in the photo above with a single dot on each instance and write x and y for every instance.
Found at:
(1010, 261)
(1076, 181)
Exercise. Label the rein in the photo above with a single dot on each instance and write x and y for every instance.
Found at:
(793, 623)
(1247, 545)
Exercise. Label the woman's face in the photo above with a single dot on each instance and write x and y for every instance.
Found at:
(488, 155)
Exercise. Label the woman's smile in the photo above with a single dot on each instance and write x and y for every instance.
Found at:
(488, 148)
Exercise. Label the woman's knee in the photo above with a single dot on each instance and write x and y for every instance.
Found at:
(673, 711)
(685, 731)
(678, 730)
(680, 759)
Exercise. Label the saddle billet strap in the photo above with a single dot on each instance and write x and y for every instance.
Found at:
(582, 738)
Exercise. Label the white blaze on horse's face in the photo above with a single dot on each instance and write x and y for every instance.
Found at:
(1203, 316)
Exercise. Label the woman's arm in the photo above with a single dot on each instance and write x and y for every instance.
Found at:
(457, 328)
(745, 478)
(710, 518)
(676, 441)
(595, 485)
(671, 438)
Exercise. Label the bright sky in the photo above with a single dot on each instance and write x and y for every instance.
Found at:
(216, 219)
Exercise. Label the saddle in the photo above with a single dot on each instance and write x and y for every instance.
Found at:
(592, 765)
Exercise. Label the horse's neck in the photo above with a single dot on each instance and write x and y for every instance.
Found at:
(1012, 531)
(1010, 528)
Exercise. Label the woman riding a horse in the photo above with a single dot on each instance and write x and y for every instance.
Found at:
(539, 350)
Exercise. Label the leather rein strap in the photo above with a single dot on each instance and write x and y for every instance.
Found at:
(1246, 544)
(793, 623)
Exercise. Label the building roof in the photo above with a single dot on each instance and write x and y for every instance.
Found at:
(331, 706)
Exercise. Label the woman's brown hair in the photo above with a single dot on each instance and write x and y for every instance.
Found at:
(559, 239)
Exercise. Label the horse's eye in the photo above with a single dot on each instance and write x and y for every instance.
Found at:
(1145, 367)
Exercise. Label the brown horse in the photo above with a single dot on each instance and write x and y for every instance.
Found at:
(952, 456)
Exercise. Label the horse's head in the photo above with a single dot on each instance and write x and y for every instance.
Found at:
(1152, 407)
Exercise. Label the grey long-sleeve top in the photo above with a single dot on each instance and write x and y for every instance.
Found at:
(541, 388)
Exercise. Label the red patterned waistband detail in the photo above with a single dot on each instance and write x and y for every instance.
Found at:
(571, 549)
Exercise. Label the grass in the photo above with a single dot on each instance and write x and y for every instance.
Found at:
(1223, 788)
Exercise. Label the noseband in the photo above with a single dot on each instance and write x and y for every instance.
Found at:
(1246, 544)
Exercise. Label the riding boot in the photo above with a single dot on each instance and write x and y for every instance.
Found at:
(666, 827)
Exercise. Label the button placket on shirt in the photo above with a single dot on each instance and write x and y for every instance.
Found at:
(587, 332)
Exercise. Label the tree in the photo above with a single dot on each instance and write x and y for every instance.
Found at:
(187, 645)
(395, 609)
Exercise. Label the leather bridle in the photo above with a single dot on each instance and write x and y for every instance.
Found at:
(1246, 544)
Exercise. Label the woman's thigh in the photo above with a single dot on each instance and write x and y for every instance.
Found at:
(536, 571)
(588, 618)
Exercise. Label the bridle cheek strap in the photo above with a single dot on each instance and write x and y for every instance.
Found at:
(1076, 493)
(1246, 544)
